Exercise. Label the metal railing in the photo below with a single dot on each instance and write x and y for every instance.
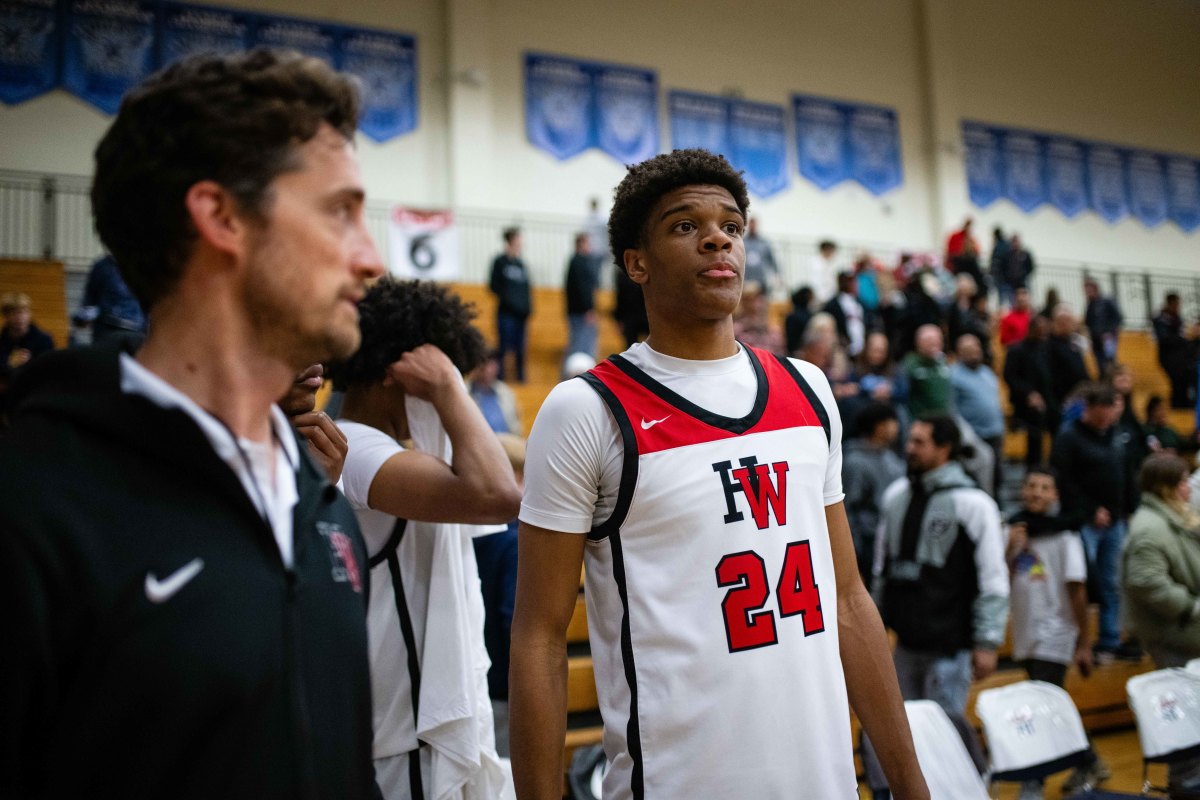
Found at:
(49, 216)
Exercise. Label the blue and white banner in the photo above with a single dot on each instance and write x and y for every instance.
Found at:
(30, 33)
(109, 49)
(985, 169)
(1066, 175)
(1147, 188)
(752, 136)
(558, 105)
(188, 30)
(1073, 175)
(386, 64)
(758, 145)
(836, 141)
(626, 112)
(315, 39)
(698, 120)
(1183, 192)
(1024, 170)
(822, 151)
(874, 136)
(1106, 179)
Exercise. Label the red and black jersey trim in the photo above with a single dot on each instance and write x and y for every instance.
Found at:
(733, 425)
(629, 459)
(817, 406)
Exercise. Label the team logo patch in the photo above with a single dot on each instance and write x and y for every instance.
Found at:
(341, 554)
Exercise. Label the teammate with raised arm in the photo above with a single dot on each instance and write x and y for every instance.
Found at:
(700, 482)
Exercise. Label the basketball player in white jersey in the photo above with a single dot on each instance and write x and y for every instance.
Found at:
(699, 481)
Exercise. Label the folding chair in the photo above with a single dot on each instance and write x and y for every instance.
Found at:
(1166, 705)
(943, 757)
(1193, 665)
(1033, 730)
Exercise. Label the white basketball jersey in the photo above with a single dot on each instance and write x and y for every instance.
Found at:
(711, 597)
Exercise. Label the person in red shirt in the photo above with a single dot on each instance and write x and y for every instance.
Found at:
(1015, 323)
(956, 243)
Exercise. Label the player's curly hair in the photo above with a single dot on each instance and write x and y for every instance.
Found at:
(648, 181)
(236, 120)
(397, 316)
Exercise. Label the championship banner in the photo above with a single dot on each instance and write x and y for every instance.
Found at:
(1024, 170)
(109, 49)
(31, 35)
(558, 105)
(188, 30)
(822, 151)
(626, 108)
(1066, 172)
(1147, 188)
(837, 140)
(1183, 192)
(698, 120)
(758, 141)
(310, 38)
(423, 245)
(1106, 177)
(984, 164)
(386, 63)
(874, 137)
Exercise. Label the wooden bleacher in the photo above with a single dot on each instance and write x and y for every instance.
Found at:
(1100, 697)
(45, 283)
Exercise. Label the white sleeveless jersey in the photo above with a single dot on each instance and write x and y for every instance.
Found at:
(711, 597)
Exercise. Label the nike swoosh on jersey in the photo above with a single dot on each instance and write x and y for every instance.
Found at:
(648, 425)
(160, 591)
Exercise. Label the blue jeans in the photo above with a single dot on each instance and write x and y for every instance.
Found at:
(581, 337)
(1102, 546)
(510, 330)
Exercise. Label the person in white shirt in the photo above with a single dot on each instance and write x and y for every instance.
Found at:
(433, 724)
(699, 481)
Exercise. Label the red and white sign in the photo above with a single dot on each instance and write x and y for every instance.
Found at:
(423, 244)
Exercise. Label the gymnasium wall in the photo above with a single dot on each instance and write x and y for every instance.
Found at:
(1126, 71)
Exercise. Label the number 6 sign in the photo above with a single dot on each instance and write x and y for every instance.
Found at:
(423, 244)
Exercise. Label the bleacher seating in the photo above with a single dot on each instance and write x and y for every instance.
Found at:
(45, 283)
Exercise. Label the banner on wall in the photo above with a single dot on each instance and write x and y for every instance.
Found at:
(1147, 188)
(758, 145)
(572, 106)
(188, 30)
(837, 141)
(1073, 175)
(983, 162)
(105, 47)
(108, 49)
(386, 65)
(423, 244)
(1066, 181)
(698, 120)
(1183, 192)
(752, 136)
(31, 34)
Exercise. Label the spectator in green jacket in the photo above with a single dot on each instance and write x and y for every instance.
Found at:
(928, 375)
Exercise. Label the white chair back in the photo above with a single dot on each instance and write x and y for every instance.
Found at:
(1166, 704)
(1029, 724)
(943, 757)
(1193, 665)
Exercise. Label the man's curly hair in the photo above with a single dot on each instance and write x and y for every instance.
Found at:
(236, 120)
(648, 181)
(398, 316)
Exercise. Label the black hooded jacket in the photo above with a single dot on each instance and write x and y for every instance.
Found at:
(245, 680)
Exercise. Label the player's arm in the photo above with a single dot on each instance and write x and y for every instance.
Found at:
(548, 565)
(867, 663)
(478, 486)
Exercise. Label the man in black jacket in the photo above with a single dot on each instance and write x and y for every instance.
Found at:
(579, 286)
(1090, 459)
(184, 591)
(1030, 389)
(509, 281)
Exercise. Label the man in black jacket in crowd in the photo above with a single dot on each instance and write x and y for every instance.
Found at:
(1030, 389)
(579, 286)
(509, 281)
(184, 591)
(1089, 456)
